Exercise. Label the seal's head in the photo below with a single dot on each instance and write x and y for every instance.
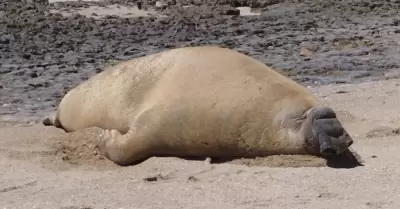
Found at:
(324, 134)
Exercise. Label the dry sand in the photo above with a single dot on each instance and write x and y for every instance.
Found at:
(41, 167)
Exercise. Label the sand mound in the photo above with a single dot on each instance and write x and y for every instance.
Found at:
(54, 149)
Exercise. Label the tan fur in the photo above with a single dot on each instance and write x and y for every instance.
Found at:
(195, 101)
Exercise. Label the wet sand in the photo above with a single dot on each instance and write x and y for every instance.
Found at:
(44, 53)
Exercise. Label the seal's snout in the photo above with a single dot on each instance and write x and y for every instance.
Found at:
(349, 141)
(331, 146)
(328, 131)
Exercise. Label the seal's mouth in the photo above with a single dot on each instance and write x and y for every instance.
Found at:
(328, 151)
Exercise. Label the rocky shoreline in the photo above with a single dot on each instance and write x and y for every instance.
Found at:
(45, 53)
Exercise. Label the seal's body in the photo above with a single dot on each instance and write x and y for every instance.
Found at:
(200, 102)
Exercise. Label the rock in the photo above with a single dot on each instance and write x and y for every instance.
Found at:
(305, 52)
(234, 12)
(139, 4)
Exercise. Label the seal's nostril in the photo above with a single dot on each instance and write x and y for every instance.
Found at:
(349, 143)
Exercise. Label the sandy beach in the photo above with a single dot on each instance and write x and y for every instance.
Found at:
(42, 167)
(346, 53)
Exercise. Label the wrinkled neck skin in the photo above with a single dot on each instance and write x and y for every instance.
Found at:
(293, 129)
(311, 143)
(299, 127)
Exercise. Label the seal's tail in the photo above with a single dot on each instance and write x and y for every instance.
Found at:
(47, 121)
(52, 120)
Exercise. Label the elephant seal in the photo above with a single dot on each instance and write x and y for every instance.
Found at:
(205, 101)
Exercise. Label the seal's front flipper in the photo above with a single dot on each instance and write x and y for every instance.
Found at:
(123, 149)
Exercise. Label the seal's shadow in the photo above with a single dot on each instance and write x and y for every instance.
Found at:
(348, 159)
(344, 161)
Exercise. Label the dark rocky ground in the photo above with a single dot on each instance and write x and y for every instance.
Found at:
(315, 42)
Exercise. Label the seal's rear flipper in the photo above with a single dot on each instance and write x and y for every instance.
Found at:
(52, 120)
(49, 120)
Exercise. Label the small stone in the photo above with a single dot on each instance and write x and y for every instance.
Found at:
(305, 52)
(65, 157)
(234, 12)
(192, 178)
(342, 92)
